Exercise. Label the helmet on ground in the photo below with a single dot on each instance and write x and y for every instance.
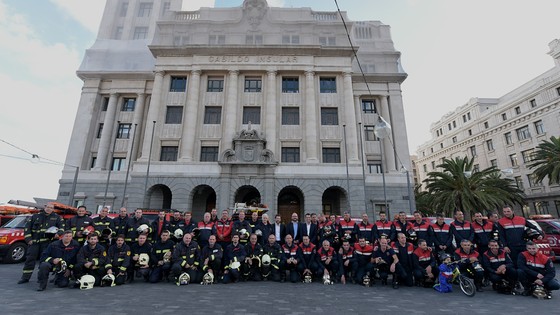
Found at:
(307, 278)
(265, 260)
(108, 280)
(61, 267)
(143, 259)
(208, 278)
(183, 279)
(178, 234)
(143, 228)
(86, 282)
(540, 293)
(327, 279)
(366, 280)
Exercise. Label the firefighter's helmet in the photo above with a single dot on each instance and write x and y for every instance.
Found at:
(208, 279)
(61, 267)
(178, 234)
(183, 279)
(88, 230)
(108, 280)
(143, 259)
(265, 260)
(51, 232)
(86, 282)
(143, 228)
(540, 293)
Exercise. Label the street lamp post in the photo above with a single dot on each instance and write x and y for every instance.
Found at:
(382, 130)
(405, 170)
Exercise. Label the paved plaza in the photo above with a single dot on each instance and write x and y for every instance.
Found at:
(255, 298)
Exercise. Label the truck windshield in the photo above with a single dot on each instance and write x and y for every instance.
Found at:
(17, 222)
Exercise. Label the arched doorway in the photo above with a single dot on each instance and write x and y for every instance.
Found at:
(334, 199)
(159, 197)
(203, 200)
(247, 194)
(290, 200)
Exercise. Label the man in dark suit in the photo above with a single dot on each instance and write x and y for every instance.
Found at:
(308, 228)
(294, 229)
(279, 229)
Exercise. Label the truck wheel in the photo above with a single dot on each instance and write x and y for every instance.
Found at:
(16, 253)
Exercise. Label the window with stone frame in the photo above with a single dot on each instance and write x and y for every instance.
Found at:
(290, 155)
(209, 154)
(169, 153)
(331, 155)
(290, 115)
(329, 116)
(212, 115)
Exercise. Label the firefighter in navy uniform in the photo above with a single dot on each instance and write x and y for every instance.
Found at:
(402, 226)
(497, 263)
(348, 229)
(78, 224)
(234, 257)
(101, 224)
(133, 227)
(175, 220)
(348, 264)
(441, 236)
(211, 257)
(118, 260)
(161, 257)
(404, 251)
(291, 260)
(186, 258)
(484, 231)
(421, 228)
(327, 259)
(118, 224)
(536, 269)
(387, 262)
(36, 238)
(206, 227)
(254, 252)
(461, 229)
(92, 259)
(384, 227)
(309, 261)
(242, 228)
(469, 263)
(58, 254)
(366, 229)
(425, 265)
(141, 262)
(274, 252)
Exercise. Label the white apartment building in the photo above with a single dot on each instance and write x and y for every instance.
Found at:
(193, 110)
(504, 132)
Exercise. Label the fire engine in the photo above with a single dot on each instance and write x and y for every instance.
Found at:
(551, 229)
(12, 240)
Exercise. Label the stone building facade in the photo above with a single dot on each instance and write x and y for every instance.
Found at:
(193, 110)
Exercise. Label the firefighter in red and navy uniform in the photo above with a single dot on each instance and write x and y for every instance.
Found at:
(161, 266)
(78, 223)
(224, 229)
(441, 236)
(118, 260)
(309, 260)
(461, 229)
(205, 228)
(36, 239)
(235, 252)
(364, 262)
(158, 226)
(63, 250)
(421, 228)
(512, 232)
(254, 252)
(425, 265)
(348, 229)
(384, 227)
(484, 231)
(101, 223)
(535, 268)
(366, 229)
(404, 251)
(132, 226)
(387, 262)
(327, 259)
(92, 259)
(211, 258)
(348, 263)
(402, 225)
(498, 265)
(291, 260)
(468, 261)
(186, 258)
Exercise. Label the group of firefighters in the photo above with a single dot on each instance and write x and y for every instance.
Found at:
(105, 252)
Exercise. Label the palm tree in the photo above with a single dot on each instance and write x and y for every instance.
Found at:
(458, 187)
(423, 201)
(546, 161)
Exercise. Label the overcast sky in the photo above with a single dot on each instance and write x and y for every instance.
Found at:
(451, 50)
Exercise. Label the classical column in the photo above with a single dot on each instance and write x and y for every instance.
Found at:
(350, 118)
(387, 147)
(189, 117)
(271, 111)
(137, 120)
(310, 114)
(230, 119)
(105, 141)
(153, 114)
